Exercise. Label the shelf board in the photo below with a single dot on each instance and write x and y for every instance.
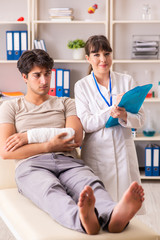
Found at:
(141, 137)
(13, 22)
(8, 61)
(69, 61)
(68, 22)
(136, 61)
(55, 60)
(152, 100)
(143, 177)
(135, 21)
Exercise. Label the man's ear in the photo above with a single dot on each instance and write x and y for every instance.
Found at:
(24, 77)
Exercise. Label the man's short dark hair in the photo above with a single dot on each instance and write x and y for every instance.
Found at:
(31, 58)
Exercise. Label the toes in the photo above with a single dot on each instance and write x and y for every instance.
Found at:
(134, 187)
(89, 191)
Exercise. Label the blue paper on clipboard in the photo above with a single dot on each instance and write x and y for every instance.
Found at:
(131, 101)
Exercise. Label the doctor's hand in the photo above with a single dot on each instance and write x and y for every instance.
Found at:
(16, 141)
(119, 112)
(58, 143)
(119, 97)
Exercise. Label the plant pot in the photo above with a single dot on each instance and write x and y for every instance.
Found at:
(78, 53)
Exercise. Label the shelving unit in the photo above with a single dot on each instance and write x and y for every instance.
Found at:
(126, 21)
(40, 17)
(122, 28)
(8, 21)
(57, 34)
(14, 24)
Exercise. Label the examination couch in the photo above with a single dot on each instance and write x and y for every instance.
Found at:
(27, 222)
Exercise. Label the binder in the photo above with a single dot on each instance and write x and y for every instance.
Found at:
(131, 101)
(43, 46)
(9, 45)
(16, 44)
(66, 83)
(59, 82)
(39, 45)
(52, 90)
(24, 41)
(155, 167)
(148, 160)
(35, 44)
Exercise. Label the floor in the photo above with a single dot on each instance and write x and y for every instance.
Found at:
(152, 217)
(152, 203)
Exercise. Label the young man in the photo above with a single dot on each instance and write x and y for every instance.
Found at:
(49, 173)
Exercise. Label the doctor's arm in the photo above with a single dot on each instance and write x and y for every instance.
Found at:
(127, 119)
(91, 121)
(134, 120)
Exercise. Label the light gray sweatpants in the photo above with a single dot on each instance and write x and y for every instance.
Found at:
(54, 182)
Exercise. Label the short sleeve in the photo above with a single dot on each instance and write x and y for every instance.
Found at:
(7, 112)
(70, 108)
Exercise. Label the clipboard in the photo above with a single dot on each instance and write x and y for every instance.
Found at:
(131, 101)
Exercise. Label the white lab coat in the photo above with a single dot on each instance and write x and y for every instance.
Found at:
(110, 152)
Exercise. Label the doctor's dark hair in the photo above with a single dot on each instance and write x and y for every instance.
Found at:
(31, 58)
(95, 44)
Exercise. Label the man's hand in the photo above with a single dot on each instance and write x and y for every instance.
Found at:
(15, 141)
(59, 144)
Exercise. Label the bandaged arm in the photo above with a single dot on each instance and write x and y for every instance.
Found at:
(39, 135)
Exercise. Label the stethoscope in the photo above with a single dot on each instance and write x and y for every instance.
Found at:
(110, 90)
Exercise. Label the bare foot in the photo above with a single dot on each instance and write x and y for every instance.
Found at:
(87, 214)
(128, 206)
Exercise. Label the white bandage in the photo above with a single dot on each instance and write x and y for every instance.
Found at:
(39, 135)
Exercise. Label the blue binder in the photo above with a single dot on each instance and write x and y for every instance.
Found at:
(66, 83)
(16, 44)
(59, 82)
(131, 101)
(9, 45)
(156, 159)
(148, 160)
(23, 41)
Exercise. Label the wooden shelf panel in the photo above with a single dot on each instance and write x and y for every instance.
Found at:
(56, 61)
(152, 100)
(141, 137)
(136, 61)
(69, 61)
(143, 177)
(68, 22)
(135, 21)
(8, 61)
(13, 22)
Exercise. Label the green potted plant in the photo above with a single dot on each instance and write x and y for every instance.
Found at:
(78, 48)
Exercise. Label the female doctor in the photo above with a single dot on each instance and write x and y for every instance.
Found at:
(110, 152)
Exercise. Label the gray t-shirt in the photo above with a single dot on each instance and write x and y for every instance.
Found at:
(50, 114)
